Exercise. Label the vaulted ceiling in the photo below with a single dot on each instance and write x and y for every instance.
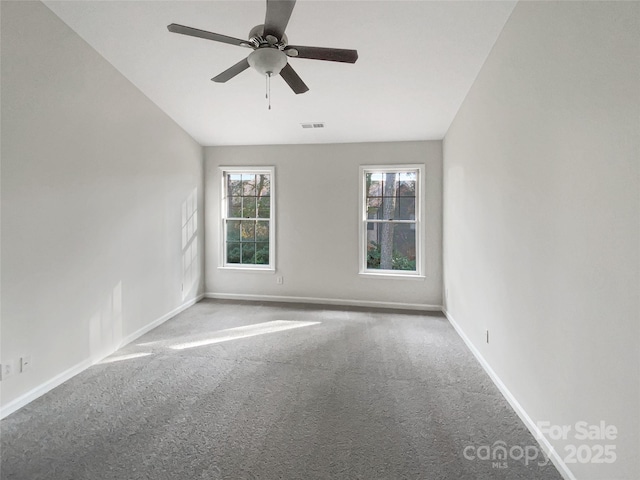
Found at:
(417, 61)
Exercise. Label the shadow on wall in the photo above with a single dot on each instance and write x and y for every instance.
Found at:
(189, 243)
(105, 326)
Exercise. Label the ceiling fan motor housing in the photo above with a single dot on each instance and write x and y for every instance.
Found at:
(257, 36)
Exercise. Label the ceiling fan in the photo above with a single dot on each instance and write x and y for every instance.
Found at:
(271, 49)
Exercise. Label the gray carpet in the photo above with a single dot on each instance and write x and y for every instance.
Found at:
(361, 395)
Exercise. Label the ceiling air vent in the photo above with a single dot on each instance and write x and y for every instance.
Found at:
(313, 125)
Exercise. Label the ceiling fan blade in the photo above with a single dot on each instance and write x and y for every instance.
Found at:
(319, 53)
(231, 72)
(293, 80)
(277, 18)
(194, 32)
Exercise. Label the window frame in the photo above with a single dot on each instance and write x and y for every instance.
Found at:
(419, 272)
(224, 209)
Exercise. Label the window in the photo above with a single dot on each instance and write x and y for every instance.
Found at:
(390, 220)
(248, 218)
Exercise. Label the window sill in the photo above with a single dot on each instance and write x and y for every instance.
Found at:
(400, 276)
(271, 270)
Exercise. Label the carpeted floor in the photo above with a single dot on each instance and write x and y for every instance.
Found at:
(360, 395)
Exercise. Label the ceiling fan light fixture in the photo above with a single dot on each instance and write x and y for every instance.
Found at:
(267, 61)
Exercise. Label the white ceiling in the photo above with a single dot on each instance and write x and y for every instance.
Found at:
(417, 61)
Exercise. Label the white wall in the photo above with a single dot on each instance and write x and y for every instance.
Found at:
(94, 182)
(317, 223)
(541, 219)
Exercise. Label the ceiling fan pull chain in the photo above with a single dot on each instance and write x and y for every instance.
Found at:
(269, 88)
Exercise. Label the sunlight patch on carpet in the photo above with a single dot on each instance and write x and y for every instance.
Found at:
(245, 331)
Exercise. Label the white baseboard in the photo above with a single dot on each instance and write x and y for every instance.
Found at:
(40, 390)
(324, 301)
(147, 328)
(52, 383)
(524, 416)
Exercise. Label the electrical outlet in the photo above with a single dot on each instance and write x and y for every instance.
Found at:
(279, 280)
(25, 363)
